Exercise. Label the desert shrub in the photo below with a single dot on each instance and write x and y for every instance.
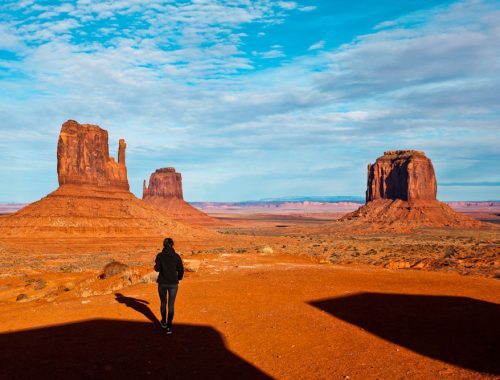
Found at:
(112, 269)
(70, 268)
(449, 252)
(21, 297)
(37, 283)
(267, 250)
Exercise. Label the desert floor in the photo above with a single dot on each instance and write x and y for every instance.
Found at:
(266, 301)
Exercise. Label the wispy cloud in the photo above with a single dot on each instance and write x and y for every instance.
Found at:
(317, 45)
(287, 4)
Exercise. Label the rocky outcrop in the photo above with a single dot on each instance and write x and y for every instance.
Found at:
(83, 157)
(165, 192)
(164, 182)
(401, 174)
(401, 195)
(93, 198)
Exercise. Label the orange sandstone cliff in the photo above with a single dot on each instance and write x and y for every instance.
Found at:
(164, 191)
(83, 157)
(93, 198)
(401, 195)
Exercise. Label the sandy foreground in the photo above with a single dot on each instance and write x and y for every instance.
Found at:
(265, 316)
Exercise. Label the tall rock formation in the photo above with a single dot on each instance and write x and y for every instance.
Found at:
(93, 198)
(401, 195)
(164, 182)
(401, 174)
(83, 157)
(165, 192)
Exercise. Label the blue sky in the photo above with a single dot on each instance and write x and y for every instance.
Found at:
(254, 99)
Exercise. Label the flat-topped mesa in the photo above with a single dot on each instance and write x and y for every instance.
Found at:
(83, 157)
(401, 196)
(407, 175)
(165, 183)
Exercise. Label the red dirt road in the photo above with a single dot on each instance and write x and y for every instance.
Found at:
(247, 316)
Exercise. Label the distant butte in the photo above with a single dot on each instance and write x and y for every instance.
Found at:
(93, 198)
(164, 191)
(401, 195)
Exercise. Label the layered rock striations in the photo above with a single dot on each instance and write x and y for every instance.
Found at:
(401, 174)
(401, 195)
(164, 191)
(165, 183)
(93, 198)
(83, 157)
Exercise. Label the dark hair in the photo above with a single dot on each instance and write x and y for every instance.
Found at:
(168, 242)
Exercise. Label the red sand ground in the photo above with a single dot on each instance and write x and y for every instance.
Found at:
(255, 316)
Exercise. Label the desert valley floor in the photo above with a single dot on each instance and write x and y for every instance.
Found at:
(270, 296)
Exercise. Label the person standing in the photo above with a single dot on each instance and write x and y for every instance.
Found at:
(171, 270)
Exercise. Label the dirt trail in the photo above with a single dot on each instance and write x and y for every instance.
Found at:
(250, 316)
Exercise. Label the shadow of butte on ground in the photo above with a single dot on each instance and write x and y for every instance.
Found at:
(114, 349)
(458, 330)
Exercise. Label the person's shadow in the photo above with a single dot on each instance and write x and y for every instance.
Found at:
(138, 305)
(117, 349)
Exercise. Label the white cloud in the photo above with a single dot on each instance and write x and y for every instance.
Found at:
(308, 8)
(270, 54)
(317, 45)
(287, 4)
(385, 24)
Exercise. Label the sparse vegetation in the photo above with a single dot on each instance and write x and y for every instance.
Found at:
(112, 269)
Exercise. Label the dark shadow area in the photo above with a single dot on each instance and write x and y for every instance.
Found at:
(113, 349)
(138, 305)
(457, 330)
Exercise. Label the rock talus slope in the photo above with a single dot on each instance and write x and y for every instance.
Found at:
(401, 195)
(93, 198)
(164, 191)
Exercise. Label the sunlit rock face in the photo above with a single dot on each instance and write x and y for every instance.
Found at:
(83, 157)
(164, 182)
(401, 174)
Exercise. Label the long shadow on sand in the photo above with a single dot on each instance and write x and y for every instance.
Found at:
(457, 330)
(138, 305)
(114, 349)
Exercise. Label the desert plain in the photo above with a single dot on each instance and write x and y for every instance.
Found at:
(266, 296)
(403, 286)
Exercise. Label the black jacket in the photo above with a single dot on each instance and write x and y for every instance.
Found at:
(170, 266)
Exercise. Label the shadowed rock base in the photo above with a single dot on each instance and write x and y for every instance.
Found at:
(398, 215)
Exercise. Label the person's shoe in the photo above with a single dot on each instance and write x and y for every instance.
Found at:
(163, 325)
(169, 330)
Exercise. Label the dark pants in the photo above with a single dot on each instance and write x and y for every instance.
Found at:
(172, 293)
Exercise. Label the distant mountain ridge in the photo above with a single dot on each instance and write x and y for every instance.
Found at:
(320, 198)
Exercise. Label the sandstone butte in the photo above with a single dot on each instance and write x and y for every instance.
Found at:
(93, 198)
(401, 195)
(164, 191)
